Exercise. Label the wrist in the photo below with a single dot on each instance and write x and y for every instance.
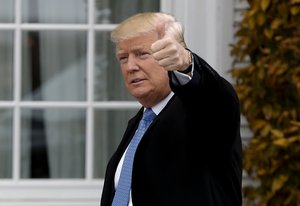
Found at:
(190, 61)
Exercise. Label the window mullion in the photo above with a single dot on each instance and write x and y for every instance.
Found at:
(17, 93)
(90, 92)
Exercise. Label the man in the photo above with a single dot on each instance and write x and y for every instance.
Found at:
(191, 153)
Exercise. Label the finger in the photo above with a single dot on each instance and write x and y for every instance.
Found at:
(157, 46)
(159, 55)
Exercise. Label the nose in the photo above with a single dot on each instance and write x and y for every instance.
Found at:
(132, 63)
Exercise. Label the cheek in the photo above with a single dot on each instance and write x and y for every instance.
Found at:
(161, 78)
(162, 73)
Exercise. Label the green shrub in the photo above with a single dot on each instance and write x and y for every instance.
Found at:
(266, 72)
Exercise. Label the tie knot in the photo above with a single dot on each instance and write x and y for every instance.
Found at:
(148, 115)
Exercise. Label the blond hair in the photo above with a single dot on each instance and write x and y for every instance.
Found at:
(147, 22)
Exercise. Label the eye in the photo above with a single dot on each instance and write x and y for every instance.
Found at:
(123, 59)
(143, 55)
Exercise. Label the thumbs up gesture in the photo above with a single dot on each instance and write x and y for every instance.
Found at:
(168, 52)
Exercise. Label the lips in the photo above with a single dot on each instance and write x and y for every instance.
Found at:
(137, 80)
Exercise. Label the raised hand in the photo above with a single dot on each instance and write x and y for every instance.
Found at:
(168, 52)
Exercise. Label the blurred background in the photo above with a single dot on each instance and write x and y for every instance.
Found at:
(63, 105)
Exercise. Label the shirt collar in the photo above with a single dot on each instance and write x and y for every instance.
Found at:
(158, 107)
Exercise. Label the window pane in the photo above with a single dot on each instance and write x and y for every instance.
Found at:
(53, 143)
(109, 128)
(6, 11)
(6, 66)
(54, 65)
(109, 83)
(114, 11)
(54, 11)
(5, 143)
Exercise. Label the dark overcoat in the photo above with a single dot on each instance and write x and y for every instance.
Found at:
(191, 154)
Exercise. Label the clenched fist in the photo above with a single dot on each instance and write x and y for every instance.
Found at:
(168, 52)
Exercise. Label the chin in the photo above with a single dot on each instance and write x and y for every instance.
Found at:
(139, 94)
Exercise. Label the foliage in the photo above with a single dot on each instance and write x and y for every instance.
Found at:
(268, 85)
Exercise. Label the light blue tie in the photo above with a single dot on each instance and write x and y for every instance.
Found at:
(123, 189)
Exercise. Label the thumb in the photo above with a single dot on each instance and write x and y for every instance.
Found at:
(161, 30)
(159, 44)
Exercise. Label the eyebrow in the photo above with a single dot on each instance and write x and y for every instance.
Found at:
(134, 49)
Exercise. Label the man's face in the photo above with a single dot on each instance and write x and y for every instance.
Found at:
(144, 78)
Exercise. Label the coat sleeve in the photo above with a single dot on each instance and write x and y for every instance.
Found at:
(211, 104)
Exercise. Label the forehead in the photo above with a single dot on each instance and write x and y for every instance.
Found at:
(137, 43)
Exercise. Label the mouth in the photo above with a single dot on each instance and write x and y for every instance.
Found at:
(136, 81)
